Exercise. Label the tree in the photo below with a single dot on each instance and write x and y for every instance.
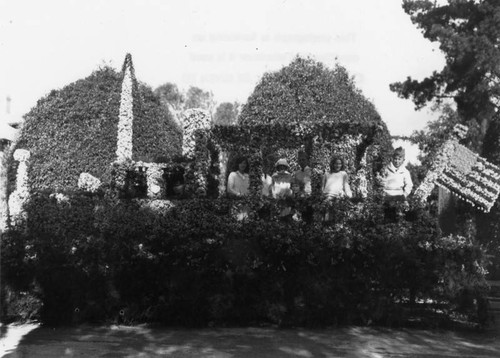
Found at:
(306, 90)
(227, 113)
(434, 134)
(468, 33)
(170, 96)
(178, 101)
(198, 98)
(172, 99)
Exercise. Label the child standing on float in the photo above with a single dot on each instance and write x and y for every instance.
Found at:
(336, 182)
(281, 186)
(302, 177)
(238, 181)
(396, 179)
(397, 185)
(238, 184)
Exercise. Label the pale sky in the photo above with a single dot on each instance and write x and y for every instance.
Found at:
(224, 46)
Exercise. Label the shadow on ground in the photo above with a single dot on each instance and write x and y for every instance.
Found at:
(142, 341)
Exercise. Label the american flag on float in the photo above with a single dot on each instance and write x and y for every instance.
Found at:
(463, 172)
(469, 176)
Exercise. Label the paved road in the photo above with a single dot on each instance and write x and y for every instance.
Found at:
(119, 341)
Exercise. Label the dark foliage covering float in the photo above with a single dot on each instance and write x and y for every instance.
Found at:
(190, 262)
(74, 130)
(306, 90)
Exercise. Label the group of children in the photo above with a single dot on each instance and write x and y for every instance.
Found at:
(395, 179)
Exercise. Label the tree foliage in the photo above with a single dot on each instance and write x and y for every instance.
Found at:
(434, 134)
(198, 98)
(170, 96)
(468, 33)
(177, 100)
(306, 90)
(226, 113)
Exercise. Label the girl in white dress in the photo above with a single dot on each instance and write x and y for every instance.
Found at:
(238, 184)
(238, 181)
(336, 182)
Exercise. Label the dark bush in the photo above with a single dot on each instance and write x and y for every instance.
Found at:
(190, 262)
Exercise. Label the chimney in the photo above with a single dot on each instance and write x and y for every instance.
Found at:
(7, 104)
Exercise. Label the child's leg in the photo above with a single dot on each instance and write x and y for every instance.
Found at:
(307, 214)
(391, 211)
(329, 214)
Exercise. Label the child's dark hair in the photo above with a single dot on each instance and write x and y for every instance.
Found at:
(268, 163)
(399, 151)
(334, 159)
(301, 153)
(237, 162)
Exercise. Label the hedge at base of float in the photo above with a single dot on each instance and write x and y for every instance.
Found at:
(92, 258)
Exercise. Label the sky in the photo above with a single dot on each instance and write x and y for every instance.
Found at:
(224, 46)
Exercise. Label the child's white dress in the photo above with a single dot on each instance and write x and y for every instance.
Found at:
(336, 185)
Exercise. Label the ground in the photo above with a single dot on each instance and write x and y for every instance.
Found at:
(32, 340)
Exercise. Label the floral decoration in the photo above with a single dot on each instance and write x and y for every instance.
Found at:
(88, 182)
(223, 159)
(126, 114)
(156, 186)
(460, 131)
(20, 196)
(22, 155)
(360, 181)
(464, 173)
(119, 173)
(196, 164)
(154, 178)
(61, 198)
(192, 120)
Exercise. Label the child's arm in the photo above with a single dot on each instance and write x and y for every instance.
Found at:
(323, 183)
(266, 185)
(408, 184)
(347, 188)
(230, 184)
(307, 181)
(382, 177)
(272, 187)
